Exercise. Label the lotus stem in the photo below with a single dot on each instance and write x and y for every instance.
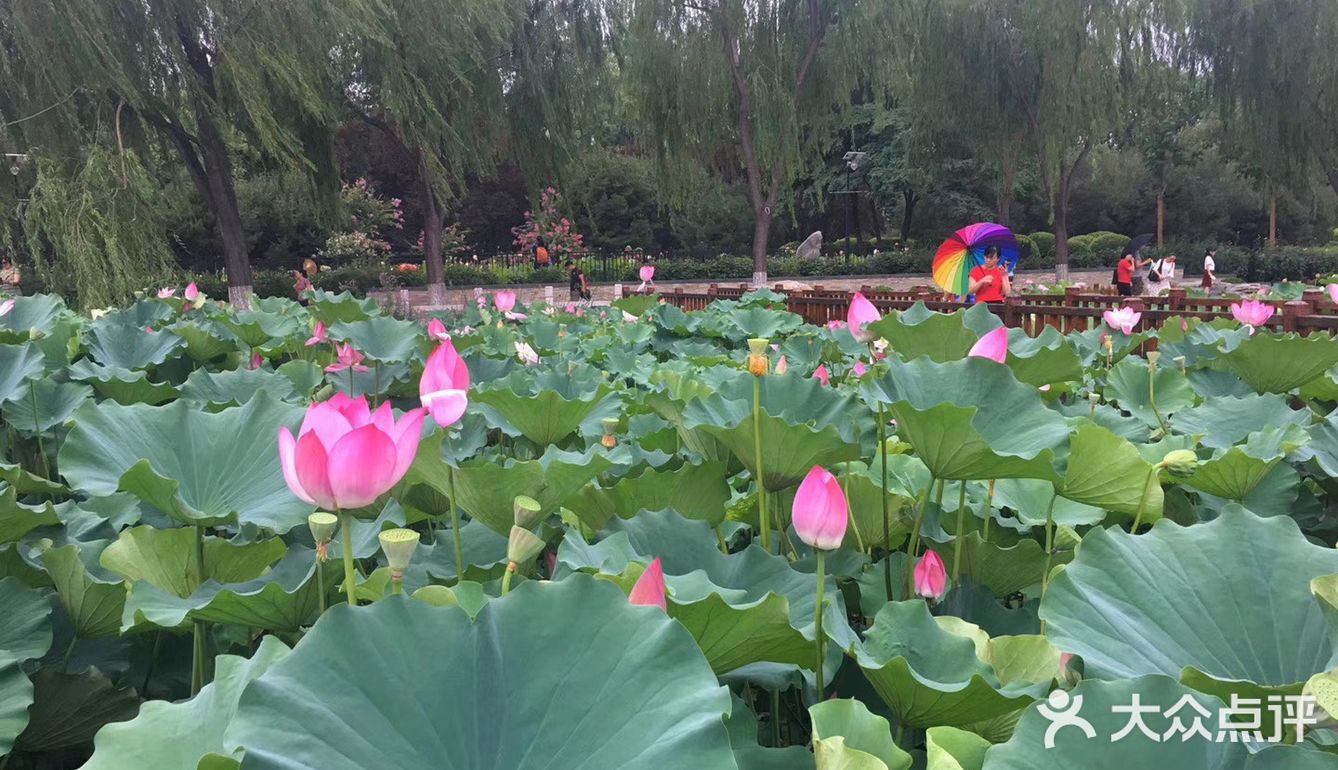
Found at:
(989, 510)
(1049, 543)
(887, 524)
(197, 659)
(376, 380)
(775, 719)
(763, 514)
(350, 381)
(37, 431)
(396, 582)
(1152, 398)
(506, 577)
(959, 535)
(914, 543)
(350, 572)
(455, 528)
(1143, 500)
(720, 538)
(822, 579)
(854, 526)
(320, 582)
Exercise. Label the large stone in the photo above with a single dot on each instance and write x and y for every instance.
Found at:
(811, 248)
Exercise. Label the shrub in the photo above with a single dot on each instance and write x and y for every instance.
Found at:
(1045, 248)
(1107, 246)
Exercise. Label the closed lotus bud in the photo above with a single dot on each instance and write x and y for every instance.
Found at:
(758, 364)
(322, 526)
(1181, 462)
(398, 546)
(525, 511)
(522, 546)
(610, 426)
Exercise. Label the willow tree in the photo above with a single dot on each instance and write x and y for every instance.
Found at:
(765, 77)
(194, 76)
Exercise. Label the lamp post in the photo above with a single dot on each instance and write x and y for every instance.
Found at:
(853, 159)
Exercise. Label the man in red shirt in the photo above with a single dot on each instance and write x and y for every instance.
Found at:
(989, 282)
(1124, 276)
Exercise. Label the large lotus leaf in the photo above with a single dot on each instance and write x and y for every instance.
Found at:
(748, 755)
(695, 491)
(384, 339)
(236, 386)
(18, 519)
(285, 599)
(1226, 603)
(376, 381)
(93, 598)
(124, 386)
(1324, 444)
(1005, 569)
(744, 322)
(545, 417)
(358, 692)
(16, 695)
(25, 482)
(48, 404)
(256, 328)
(198, 467)
(204, 339)
(971, 419)
(178, 735)
(847, 736)
(1224, 421)
(1098, 707)
(920, 331)
(1044, 359)
(1233, 474)
(949, 748)
(930, 676)
(1128, 384)
(1199, 342)
(39, 312)
(481, 547)
(1215, 383)
(864, 495)
(1278, 363)
(26, 631)
(122, 346)
(18, 364)
(1108, 472)
(742, 608)
(168, 559)
(69, 708)
(1034, 500)
(333, 308)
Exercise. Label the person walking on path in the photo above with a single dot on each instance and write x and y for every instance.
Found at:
(1124, 275)
(1160, 272)
(580, 287)
(1209, 270)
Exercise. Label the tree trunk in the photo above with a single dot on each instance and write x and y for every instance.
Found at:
(909, 199)
(227, 214)
(761, 234)
(1161, 217)
(1061, 205)
(436, 285)
(1273, 221)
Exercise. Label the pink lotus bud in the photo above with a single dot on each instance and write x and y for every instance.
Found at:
(860, 368)
(931, 580)
(1252, 313)
(443, 388)
(820, 374)
(1333, 292)
(836, 324)
(317, 335)
(861, 313)
(782, 366)
(649, 588)
(345, 456)
(993, 346)
(820, 515)
(257, 360)
(571, 308)
(437, 330)
(647, 273)
(504, 300)
(192, 292)
(1124, 319)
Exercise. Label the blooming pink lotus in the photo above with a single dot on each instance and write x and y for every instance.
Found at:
(504, 300)
(861, 313)
(819, 514)
(649, 588)
(931, 579)
(571, 308)
(647, 274)
(820, 374)
(318, 335)
(348, 358)
(1252, 313)
(1333, 292)
(166, 293)
(345, 456)
(444, 385)
(6, 306)
(437, 330)
(835, 324)
(860, 368)
(782, 366)
(1124, 318)
(993, 346)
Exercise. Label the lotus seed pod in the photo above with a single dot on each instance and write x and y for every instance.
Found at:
(322, 526)
(758, 365)
(522, 546)
(1181, 462)
(399, 545)
(1153, 357)
(525, 511)
(758, 346)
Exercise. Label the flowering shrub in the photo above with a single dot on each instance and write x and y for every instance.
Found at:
(369, 212)
(350, 247)
(550, 226)
(454, 243)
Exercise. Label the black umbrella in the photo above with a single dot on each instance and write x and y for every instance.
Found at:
(1138, 243)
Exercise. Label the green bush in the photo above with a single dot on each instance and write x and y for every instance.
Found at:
(1045, 248)
(1107, 246)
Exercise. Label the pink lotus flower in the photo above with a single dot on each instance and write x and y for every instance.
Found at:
(1124, 319)
(861, 313)
(931, 580)
(257, 360)
(1064, 658)
(6, 306)
(345, 456)
(993, 346)
(782, 366)
(192, 292)
(483, 302)
(437, 330)
(603, 314)
(820, 374)
(149, 330)
(1184, 325)
(504, 300)
(166, 293)
(819, 514)
(835, 324)
(348, 358)
(443, 388)
(526, 353)
(860, 368)
(647, 274)
(1252, 313)
(649, 588)
(1333, 292)
(571, 308)
(318, 335)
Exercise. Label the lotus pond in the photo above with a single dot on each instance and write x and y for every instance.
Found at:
(644, 538)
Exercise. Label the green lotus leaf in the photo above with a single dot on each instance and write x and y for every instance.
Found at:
(48, 404)
(18, 364)
(976, 604)
(484, 551)
(1033, 500)
(546, 409)
(123, 346)
(204, 339)
(1279, 363)
(1209, 599)
(1323, 445)
(93, 598)
(1222, 422)
(1005, 569)
(1044, 359)
(847, 736)
(256, 328)
(168, 559)
(27, 483)
(743, 323)
(1233, 474)
(338, 700)
(166, 735)
(1128, 384)
(696, 491)
(39, 312)
(748, 755)
(1091, 347)
(69, 708)
(198, 467)
(236, 386)
(26, 632)
(16, 695)
(930, 676)
(671, 318)
(638, 304)
(970, 419)
(864, 496)
(1215, 383)
(384, 339)
(332, 308)
(1201, 342)
(949, 748)
(122, 385)
(942, 337)
(1108, 472)
(304, 375)
(18, 519)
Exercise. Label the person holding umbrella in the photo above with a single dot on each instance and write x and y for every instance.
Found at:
(989, 282)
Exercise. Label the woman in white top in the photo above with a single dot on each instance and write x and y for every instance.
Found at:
(1160, 272)
(1209, 271)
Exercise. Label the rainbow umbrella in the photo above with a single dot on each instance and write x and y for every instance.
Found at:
(965, 249)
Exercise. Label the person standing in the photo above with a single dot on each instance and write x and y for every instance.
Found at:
(580, 287)
(1160, 272)
(1124, 275)
(989, 282)
(1209, 270)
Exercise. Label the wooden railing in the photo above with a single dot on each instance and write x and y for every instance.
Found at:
(1075, 310)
